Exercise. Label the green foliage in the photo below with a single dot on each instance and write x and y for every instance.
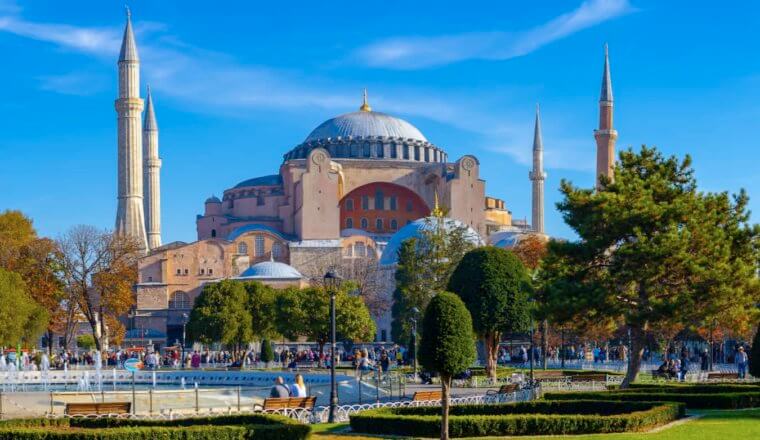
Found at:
(267, 354)
(754, 355)
(424, 267)
(447, 344)
(262, 307)
(21, 317)
(494, 286)
(654, 253)
(220, 314)
(526, 418)
(86, 342)
(232, 427)
(692, 400)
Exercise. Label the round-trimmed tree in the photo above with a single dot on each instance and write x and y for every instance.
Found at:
(754, 355)
(267, 354)
(494, 285)
(447, 345)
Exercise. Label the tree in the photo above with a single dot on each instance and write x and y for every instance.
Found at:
(754, 355)
(531, 250)
(652, 251)
(447, 345)
(220, 314)
(267, 354)
(306, 312)
(23, 320)
(494, 286)
(99, 270)
(424, 267)
(85, 342)
(262, 306)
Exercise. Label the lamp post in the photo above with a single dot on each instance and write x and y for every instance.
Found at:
(182, 357)
(332, 282)
(415, 312)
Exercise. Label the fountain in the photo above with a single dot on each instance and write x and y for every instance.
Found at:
(182, 383)
(153, 377)
(98, 366)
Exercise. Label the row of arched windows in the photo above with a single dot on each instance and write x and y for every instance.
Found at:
(379, 224)
(259, 249)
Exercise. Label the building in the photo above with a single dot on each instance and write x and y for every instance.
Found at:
(358, 183)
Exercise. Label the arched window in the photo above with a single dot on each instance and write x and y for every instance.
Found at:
(364, 223)
(179, 300)
(379, 200)
(276, 250)
(380, 152)
(365, 202)
(394, 150)
(213, 233)
(242, 248)
(350, 205)
(405, 149)
(365, 149)
(360, 249)
(393, 203)
(379, 224)
(349, 223)
(394, 224)
(259, 245)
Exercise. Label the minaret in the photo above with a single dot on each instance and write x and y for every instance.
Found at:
(606, 135)
(537, 176)
(130, 219)
(151, 175)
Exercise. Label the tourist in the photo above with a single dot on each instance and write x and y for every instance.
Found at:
(385, 362)
(684, 367)
(298, 388)
(704, 360)
(195, 360)
(741, 362)
(279, 389)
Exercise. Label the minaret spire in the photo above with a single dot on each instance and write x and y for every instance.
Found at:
(130, 216)
(152, 175)
(365, 102)
(605, 135)
(537, 177)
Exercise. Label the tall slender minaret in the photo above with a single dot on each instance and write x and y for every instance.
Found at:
(130, 218)
(605, 135)
(151, 175)
(537, 176)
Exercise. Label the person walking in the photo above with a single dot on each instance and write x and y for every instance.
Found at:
(741, 362)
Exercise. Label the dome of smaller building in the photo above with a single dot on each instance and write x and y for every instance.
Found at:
(509, 238)
(213, 199)
(415, 229)
(270, 270)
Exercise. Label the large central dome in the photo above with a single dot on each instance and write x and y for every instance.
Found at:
(367, 134)
(365, 124)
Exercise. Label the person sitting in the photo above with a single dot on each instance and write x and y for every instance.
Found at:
(279, 390)
(298, 388)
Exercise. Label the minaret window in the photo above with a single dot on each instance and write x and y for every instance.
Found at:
(259, 245)
(349, 223)
(242, 248)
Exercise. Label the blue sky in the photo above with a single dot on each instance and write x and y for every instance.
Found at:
(238, 84)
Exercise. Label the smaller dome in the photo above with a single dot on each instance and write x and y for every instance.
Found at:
(270, 270)
(511, 237)
(414, 230)
(213, 199)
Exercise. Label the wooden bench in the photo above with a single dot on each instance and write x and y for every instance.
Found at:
(505, 389)
(273, 403)
(547, 375)
(657, 374)
(82, 409)
(427, 395)
(713, 376)
(589, 377)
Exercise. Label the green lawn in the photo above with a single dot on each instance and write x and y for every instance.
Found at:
(725, 425)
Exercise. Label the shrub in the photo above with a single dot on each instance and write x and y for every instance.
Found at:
(140, 433)
(692, 400)
(267, 355)
(86, 342)
(528, 418)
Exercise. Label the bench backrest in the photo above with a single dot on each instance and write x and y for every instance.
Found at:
(596, 377)
(98, 408)
(722, 375)
(427, 395)
(289, 402)
(548, 374)
(508, 388)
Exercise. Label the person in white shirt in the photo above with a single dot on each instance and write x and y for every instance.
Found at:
(298, 388)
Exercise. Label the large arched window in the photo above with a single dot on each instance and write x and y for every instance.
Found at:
(379, 200)
(276, 250)
(364, 223)
(242, 248)
(259, 245)
(179, 300)
(349, 223)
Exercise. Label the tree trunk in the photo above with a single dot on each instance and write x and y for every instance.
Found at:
(634, 359)
(544, 343)
(445, 386)
(491, 342)
(50, 342)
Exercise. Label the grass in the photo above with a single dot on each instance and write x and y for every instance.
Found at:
(738, 424)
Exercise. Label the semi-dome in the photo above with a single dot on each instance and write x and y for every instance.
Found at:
(270, 270)
(367, 134)
(415, 229)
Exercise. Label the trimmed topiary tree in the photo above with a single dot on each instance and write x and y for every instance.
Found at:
(754, 355)
(447, 345)
(494, 285)
(267, 355)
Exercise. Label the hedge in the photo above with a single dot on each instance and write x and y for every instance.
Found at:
(238, 427)
(693, 400)
(526, 418)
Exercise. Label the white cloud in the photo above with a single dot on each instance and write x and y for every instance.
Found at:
(74, 83)
(421, 52)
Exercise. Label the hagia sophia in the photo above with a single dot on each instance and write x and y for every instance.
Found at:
(350, 193)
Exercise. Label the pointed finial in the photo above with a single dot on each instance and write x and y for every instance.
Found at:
(365, 103)
(128, 47)
(606, 95)
(129, 13)
(537, 141)
(437, 210)
(149, 122)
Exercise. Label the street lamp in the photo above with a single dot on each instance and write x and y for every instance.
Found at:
(415, 312)
(332, 283)
(184, 324)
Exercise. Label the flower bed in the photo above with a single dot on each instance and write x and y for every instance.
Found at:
(525, 418)
(237, 427)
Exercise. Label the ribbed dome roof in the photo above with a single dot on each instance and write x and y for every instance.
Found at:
(271, 270)
(414, 230)
(365, 124)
